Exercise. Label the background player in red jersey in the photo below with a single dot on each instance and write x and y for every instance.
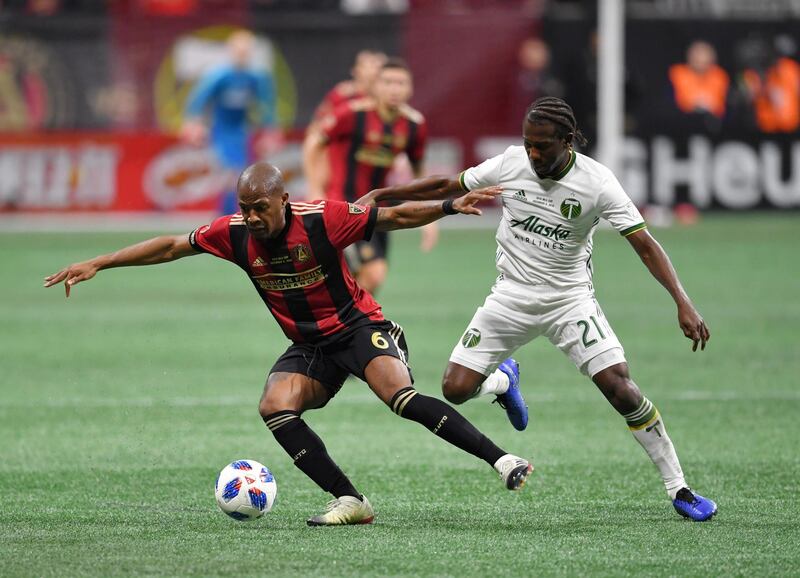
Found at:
(292, 253)
(363, 138)
(365, 69)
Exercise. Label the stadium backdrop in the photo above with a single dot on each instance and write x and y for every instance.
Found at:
(68, 144)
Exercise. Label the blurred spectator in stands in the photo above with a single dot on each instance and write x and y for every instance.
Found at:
(235, 96)
(534, 78)
(700, 85)
(772, 84)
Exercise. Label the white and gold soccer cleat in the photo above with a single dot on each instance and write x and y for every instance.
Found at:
(514, 471)
(343, 511)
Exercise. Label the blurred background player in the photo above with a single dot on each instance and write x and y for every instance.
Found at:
(365, 69)
(363, 138)
(237, 97)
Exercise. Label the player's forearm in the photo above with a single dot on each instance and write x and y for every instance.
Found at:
(426, 189)
(658, 263)
(409, 215)
(150, 252)
(315, 166)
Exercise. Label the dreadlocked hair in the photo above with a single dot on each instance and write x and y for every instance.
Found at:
(558, 112)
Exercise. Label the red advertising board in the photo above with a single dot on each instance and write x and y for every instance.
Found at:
(104, 172)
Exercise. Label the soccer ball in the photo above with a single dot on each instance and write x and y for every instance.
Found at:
(245, 490)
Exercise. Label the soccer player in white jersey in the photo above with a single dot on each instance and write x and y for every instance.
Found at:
(553, 198)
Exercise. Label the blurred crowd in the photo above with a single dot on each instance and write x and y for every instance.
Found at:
(762, 91)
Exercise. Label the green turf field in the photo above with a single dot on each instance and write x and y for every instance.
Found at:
(119, 406)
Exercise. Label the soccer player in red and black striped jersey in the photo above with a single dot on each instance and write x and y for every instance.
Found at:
(362, 139)
(365, 68)
(292, 253)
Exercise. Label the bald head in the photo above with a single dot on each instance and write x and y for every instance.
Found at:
(262, 199)
(261, 179)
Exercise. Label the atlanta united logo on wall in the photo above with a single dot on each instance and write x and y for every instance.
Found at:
(35, 89)
(571, 208)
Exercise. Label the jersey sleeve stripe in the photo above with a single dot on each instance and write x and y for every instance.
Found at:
(461, 181)
(631, 230)
(193, 242)
(371, 219)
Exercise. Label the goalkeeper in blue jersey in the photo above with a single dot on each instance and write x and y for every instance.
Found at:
(225, 104)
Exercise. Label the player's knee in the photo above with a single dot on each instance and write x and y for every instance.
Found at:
(274, 401)
(454, 390)
(618, 387)
(267, 406)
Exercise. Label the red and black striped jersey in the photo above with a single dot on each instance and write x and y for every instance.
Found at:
(301, 275)
(362, 146)
(340, 94)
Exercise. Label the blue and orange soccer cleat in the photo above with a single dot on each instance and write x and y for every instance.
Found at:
(694, 506)
(512, 400)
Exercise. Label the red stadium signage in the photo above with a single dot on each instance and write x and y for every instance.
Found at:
(140, 172)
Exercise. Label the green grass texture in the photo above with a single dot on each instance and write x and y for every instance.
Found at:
(119, 406)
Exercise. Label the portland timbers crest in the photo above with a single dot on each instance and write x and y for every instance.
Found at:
(471, 338)
(571, 208)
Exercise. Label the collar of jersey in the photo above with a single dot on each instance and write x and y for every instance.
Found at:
(562, 173)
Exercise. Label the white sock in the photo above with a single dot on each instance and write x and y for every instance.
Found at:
(648, 428)
(496, 383)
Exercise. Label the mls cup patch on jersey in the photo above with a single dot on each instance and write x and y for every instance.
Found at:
(356, 209)
(471, 338)
(571, 208)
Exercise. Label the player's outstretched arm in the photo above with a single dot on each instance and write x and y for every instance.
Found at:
(419, 213)
(156, 250)
(657, 261)
(427, 189)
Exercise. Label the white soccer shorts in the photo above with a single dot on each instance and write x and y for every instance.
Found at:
(515, 314)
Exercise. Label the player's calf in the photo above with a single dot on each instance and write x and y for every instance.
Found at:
(616, 385)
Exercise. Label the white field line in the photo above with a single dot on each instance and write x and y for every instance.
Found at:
(361, 398)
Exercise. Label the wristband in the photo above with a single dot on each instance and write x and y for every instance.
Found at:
(447, 207)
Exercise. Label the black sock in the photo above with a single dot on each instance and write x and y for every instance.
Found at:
(309, 453)
(445, 422)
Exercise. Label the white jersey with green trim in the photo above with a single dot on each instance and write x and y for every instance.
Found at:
(546, 232)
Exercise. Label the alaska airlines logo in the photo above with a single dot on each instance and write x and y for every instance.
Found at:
(534, 224)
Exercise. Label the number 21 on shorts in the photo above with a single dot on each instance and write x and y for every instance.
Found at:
(588, 340)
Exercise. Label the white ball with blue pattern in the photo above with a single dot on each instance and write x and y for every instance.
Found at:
(245, 490)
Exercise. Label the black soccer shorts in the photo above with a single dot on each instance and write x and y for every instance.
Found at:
(332, 364)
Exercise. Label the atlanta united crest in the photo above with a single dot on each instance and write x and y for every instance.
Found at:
(300, 253)
(571, 208)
